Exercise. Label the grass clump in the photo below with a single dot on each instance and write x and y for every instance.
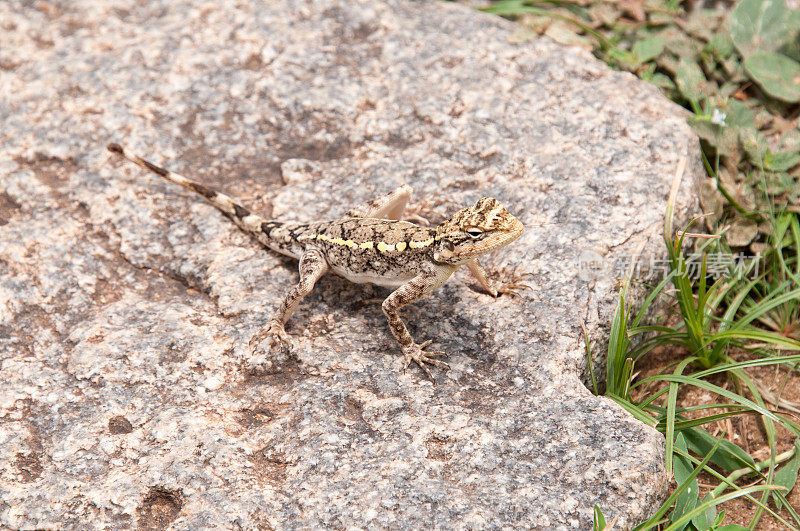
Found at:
(722, 330)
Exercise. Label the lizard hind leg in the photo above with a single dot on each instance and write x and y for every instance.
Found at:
(312, 266)
(389, 206)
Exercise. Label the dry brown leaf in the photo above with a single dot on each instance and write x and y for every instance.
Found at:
(635, 8)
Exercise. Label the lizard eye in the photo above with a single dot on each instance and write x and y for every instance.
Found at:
(474, 232)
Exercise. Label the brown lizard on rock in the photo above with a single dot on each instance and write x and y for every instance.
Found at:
(370, 244)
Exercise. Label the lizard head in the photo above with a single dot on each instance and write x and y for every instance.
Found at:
(475, 230)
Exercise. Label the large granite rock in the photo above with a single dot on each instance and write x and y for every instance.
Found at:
(126, 303)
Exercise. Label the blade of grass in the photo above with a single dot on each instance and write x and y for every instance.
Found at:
(690, 423)
(726, 483)
(514, 8)
(745, 364)
(769, 428)
(677, 492)
(714, 389)
(599, 519)
(770, 338)
(638, 413)
(670, 419)
(617, 377)
(655, 292)
(713, 503)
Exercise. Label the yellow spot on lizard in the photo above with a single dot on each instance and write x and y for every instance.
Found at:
(419, 245)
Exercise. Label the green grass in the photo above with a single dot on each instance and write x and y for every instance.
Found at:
(736, 73)
(714, 324)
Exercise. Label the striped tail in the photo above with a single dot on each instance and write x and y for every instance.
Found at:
(266, 231)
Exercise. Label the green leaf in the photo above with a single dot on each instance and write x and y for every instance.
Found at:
(777, 183)
(706, 519)
(738, 114)
(648, 49)
(724, 138)
(731, 527)
(754, 143)
(682, 469)
(680, 44)
(760, 26)
(733, 69)
(787, 475)
(720, 45)
(599, 519)
(690, 79)
(778, 75)
(781, 161)
(662, 81)
(792, 49)
(728, 456)
(702, 23)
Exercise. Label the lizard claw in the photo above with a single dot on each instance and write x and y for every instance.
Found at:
(276, 335)
(418, 355)
(278, 348)
(513, 286)
(511, 289)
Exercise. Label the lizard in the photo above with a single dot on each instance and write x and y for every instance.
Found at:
(370, 243)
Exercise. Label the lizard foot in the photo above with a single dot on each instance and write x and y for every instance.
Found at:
(270, 349)
(417, 354)
(514, 285)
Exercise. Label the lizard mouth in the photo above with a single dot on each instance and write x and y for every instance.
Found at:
(501, 239)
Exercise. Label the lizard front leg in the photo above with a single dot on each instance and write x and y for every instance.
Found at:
(411, 291)
(312, 266)
(510, 288)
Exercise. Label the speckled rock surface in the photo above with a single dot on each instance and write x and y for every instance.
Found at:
(126, 304)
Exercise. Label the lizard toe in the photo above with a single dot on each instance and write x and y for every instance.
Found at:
(423, 358)
(269, 350)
